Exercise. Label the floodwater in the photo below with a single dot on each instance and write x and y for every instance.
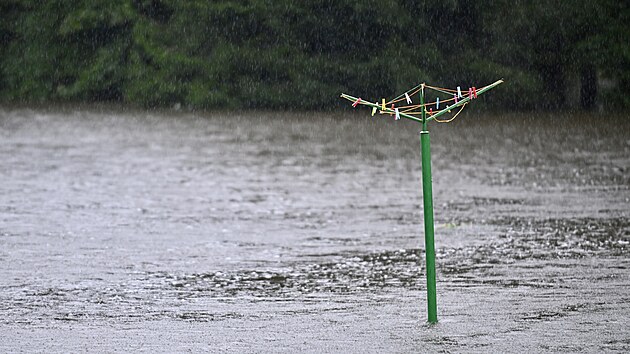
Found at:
(249, 232)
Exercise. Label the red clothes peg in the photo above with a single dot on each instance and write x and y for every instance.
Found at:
(356, 102)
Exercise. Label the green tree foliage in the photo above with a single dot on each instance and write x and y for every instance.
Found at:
(287, 54)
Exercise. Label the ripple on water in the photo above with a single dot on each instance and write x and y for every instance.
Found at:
(506, 263)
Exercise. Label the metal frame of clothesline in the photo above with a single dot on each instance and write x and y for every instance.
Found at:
(455, 100)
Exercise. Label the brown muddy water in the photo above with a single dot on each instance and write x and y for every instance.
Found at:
(263, 232)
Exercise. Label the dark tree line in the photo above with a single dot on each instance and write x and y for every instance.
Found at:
(302, 54)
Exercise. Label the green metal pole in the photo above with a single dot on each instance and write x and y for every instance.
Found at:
(427, 195)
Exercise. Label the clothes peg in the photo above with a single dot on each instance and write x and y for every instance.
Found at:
(459, 92)
(408, 98)
(356, 102)
(447, 107)
(470, 96)
(397, 114)
(474, 91)
(373, 111)
(455, 96)
(430, 111)
(437, 103)
(383, 105)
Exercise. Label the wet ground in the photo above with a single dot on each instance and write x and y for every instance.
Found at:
(134, 231)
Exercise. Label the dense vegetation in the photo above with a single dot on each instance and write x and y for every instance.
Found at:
(302, 54)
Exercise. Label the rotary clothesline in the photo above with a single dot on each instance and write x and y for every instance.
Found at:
(456, 99)
(409, 111)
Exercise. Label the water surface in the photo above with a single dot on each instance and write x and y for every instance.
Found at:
(303, 232)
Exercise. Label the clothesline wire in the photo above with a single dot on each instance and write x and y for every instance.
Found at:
(411, 109)
(413, 91)
(453, 117)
